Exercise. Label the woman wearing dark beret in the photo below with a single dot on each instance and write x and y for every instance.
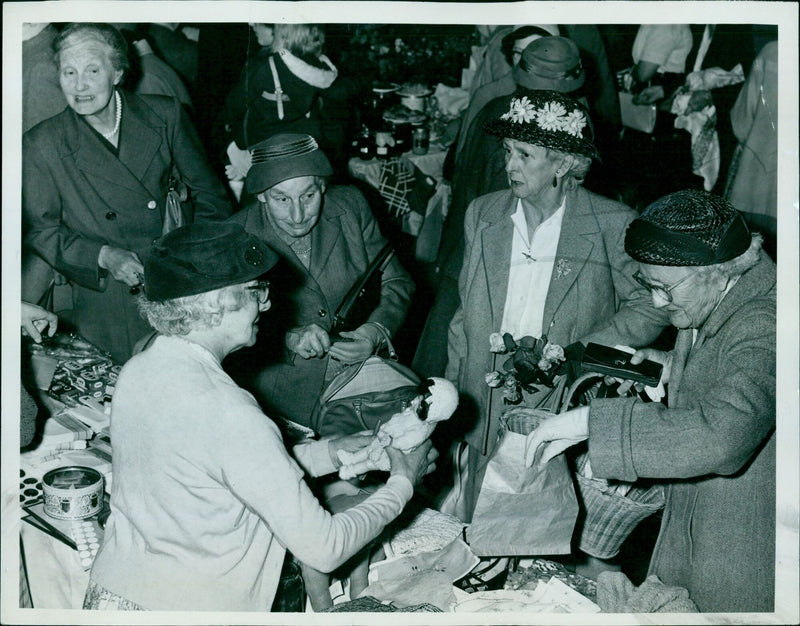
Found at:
(713, 446)
(206, 500)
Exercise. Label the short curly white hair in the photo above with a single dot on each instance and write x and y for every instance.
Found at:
(180, 316)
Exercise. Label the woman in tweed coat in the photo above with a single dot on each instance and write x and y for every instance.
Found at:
(714, 445)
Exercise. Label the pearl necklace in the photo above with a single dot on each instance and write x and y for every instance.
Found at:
(118, 102)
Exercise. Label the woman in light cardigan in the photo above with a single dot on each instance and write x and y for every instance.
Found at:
(206, 499)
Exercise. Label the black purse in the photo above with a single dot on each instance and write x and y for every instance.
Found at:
(364, 296)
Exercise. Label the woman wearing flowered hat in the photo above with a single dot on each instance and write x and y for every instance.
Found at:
(544, 257)
(713, 446)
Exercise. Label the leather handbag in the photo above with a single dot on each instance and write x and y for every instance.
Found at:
(364, 395)
(174, 213)
(364, 296)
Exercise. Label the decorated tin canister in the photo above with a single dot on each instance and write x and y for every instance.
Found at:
(73, 492)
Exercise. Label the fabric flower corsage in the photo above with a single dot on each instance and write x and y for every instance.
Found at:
(563, 268)
(532, 363)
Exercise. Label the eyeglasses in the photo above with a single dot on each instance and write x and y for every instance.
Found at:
(665, 293)
(260, 291)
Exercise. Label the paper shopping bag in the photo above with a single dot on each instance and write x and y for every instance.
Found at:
(523, 511)
(641, 117)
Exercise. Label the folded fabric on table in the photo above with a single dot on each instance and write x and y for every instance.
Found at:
(428, 586)
(423, 531)
(542, 570)
(617, 594)
(368, 604)
(405, 187)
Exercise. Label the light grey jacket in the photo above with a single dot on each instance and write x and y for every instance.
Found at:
(592, 295)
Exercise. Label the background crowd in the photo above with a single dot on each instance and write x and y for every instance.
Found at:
(168, 167)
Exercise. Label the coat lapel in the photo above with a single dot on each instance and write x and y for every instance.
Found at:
(140, 139)
(324, 238)
(575, 245)
(496, 249)
(139, 143)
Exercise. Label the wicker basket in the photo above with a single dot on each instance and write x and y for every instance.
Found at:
(610, 517)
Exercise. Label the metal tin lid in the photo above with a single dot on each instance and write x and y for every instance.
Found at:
(72, 477)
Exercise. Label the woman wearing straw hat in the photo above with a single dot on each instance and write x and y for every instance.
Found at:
(544, 257)
(714, 445)
(206, 499)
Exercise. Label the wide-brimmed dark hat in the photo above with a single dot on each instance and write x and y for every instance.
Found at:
(687, 228)
(549, 119)
(282, 157)
(202, 257)
(550, 63)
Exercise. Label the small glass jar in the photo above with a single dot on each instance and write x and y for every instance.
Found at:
(365, 145)
(420, 140)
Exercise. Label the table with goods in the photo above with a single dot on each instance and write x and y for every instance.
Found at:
(65, 479)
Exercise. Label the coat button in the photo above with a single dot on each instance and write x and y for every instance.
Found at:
(322, 312)
(111, 216)
(152, 204)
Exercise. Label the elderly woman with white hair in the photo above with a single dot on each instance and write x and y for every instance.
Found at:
(206, 500)
(95, 180)
(713, 445)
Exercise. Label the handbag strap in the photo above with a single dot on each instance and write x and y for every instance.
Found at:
(278, 89)
(375, 265)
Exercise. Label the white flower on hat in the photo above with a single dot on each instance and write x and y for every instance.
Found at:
(551, 116)
(521, 111)
(575, 123)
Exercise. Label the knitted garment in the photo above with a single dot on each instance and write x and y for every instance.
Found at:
(616, 594)
(687, 228)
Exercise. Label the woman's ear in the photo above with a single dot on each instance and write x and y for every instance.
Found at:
(566, 164)
(118, 77)
(261, 197)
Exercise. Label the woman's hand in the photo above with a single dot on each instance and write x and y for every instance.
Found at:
(362, 343)
(34, 319)
(308, 341)
(415, 464)
(556, 434)
(649, 95)
(348, 443)
(124, 265)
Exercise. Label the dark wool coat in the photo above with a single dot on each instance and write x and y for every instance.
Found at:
(343, 242)
(251, 111)
(78, 196)
(715, 446)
